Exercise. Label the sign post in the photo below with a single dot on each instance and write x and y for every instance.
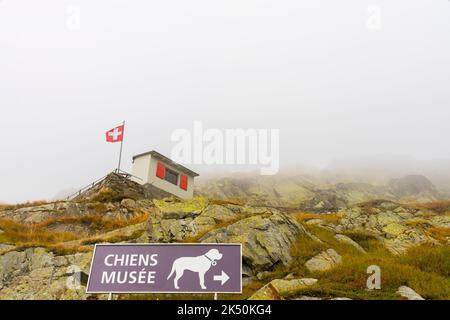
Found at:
(166, 268)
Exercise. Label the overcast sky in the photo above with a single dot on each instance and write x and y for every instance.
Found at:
(336, 79)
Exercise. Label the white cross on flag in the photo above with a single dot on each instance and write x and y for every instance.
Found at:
(116, 134)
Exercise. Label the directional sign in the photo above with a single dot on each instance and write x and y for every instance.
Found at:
(166, 268)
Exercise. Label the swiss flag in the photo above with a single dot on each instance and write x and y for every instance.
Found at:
(116, 134)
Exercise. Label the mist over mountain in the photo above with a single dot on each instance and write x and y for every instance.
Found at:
(332, 189)
(381, 169)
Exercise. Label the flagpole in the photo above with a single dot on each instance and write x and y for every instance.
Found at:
(121, 146)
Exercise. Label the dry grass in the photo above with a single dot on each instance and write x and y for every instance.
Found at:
(232, 201)
(349, 279)
(97, 207)
(370, 207)
(112, 239)
(96, 221)
(58, 249)
(39, 235)
(22, 205)
(22, 234)
(438, 233)
(433, 259)
(107, 195)
(439, 207)
(333, 218)
(424, 268)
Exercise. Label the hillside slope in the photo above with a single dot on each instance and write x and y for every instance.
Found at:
(44, 246)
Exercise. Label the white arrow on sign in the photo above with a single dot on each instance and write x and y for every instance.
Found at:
(223, 278)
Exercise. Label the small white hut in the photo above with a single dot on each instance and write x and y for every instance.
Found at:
(163, 173)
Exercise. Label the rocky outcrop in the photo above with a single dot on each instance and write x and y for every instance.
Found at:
(315, 193)
(279, 288)
(37, 214)
(136, 233)
(397, 226)
(324, 261)
(324, 201)
(277, 191)
(115, 187)
(38, 274)
(126, 209)
(266, 240)
(414, 186)
(173, 220)
(266, 234)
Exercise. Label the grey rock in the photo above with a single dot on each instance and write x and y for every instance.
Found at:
(324, 261)
(128, 203)
(308, 298)
(279, 288)
(38, 274)
(409, 293)
(266, 240)
(344, 239)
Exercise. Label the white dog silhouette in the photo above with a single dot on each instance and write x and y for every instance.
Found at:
(200, 264)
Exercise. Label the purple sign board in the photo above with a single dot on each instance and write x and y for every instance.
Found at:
(166, 268)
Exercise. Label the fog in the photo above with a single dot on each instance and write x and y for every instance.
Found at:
(340, 79)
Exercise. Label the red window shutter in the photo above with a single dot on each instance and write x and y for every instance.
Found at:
(160, 170)
(183, 182)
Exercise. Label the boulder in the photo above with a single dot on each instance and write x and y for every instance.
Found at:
(170, 208)
(38, 274)
(324, 201)
(409, 293)
(308, 298)
(177, 220)
(279, 288)
(174, 220)
(4, 248)
(287, 287)
(268, 292)
(344, 239)
(441, 221)
(317, 298)
(394, 229)
(324, 261)
(266, 239)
